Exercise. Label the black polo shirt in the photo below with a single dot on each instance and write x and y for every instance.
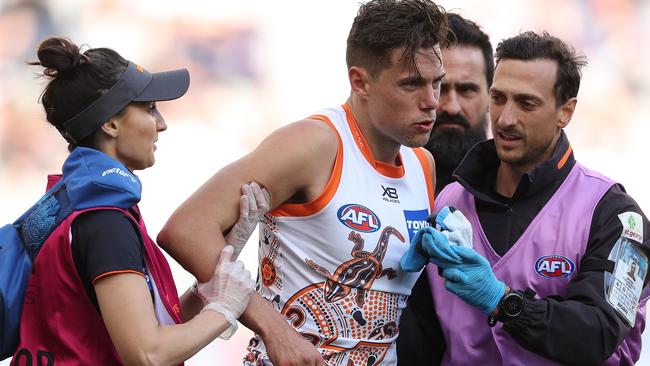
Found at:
(105, 242)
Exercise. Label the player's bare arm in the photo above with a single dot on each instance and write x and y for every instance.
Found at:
(294, 164)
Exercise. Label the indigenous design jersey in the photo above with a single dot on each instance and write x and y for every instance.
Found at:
(331, 266)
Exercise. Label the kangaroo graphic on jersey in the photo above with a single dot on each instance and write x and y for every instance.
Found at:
(330, 307)
(360, 271)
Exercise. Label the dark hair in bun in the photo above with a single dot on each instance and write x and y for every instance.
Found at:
(77, 79)
(58, 56)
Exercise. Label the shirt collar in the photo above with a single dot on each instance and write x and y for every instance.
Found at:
(477, 171)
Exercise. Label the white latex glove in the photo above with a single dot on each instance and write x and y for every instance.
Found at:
(253, 204)
(228, 291)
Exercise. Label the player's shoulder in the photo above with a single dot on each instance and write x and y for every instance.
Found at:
(427, 154)
(311, 135)
(313, 131)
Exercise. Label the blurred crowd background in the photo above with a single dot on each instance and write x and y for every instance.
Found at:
(257, 65)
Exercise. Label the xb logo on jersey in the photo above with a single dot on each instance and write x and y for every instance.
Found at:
(359, 218)
(554, 266)
(389, 194)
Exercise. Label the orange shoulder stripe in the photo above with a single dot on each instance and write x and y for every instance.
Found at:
(426, 169)
(310, 208)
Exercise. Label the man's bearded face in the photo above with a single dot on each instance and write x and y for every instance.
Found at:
(450, 144)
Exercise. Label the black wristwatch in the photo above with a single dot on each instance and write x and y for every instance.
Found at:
(510, 306)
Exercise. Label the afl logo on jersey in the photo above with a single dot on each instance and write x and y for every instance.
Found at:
(554, 266)
(359, 218)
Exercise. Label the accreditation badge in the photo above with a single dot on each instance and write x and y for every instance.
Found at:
(630, 268)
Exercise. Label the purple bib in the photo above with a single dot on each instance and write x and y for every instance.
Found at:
(545, 258)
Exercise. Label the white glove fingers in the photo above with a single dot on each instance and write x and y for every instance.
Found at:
(230, 289)
(261, 199)
(247, 204)
(244, 208)
(267, 200)
(225, 257)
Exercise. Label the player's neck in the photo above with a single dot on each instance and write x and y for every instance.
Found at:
(383, 148)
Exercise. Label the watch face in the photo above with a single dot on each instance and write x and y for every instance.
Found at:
(513, 304)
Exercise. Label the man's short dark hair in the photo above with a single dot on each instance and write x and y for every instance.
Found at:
(530, 46)
(384, 25)
(464, 32)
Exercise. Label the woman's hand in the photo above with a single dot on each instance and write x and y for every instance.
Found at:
(253, 204)
(228, 291)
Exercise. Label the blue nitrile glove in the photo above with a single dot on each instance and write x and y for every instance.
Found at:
(414, 258)
(473, 280)
(455, 226)
(428, 245)
(442, 215)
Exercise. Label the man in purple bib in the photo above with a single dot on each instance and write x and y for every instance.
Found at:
(539, 272)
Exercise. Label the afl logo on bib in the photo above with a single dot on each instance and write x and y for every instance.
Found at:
(554, 266)
(359, 218)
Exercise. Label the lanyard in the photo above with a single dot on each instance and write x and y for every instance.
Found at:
(149, 282)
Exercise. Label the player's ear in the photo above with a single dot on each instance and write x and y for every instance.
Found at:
(359, 78)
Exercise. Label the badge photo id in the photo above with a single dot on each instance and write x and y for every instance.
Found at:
(631, 266)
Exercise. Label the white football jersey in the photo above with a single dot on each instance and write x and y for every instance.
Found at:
(331, 266)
